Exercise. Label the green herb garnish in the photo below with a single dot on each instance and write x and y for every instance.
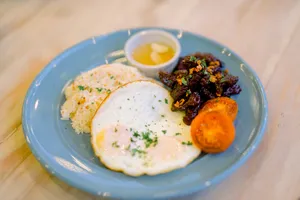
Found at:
(159, 100)
(177, 133)
(99, 89)
(164, 131)
(108, 91)
(136, 134)
(187, 143)
(116, 130)
(112, 77)
(188, 92)
(153, 108)
(162, 115)
(184, 82)
(135, 151)
(203, 63)
(115, 144)
(80, 87)
(155, 141)
(222, 80)
(166, 101)
(193, 59)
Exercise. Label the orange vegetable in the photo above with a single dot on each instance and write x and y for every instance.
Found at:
(224, 104)
(212, 132)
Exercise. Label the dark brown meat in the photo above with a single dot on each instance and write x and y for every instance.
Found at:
(236, 89)
(197, 78)
(190, 114)
(167, 79)
(178, 91)
(193, 100)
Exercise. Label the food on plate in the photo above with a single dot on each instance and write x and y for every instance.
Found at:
(196, 79)
(134, 131)
(224, 104)
(213, 131)
(153, 53)
(86, 93)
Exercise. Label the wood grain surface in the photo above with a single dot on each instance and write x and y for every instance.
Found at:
(266, 33)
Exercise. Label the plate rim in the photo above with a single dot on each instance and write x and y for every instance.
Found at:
(216, 179)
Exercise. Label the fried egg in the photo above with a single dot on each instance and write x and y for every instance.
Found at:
(135, 132)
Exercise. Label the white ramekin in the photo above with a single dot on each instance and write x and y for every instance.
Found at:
(149, 36)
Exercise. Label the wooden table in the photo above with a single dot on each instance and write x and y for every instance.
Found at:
(264, 32)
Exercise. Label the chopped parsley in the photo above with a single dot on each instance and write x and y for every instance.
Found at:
(193, 59)
(128, 99)
(184, 82)
(135, 151)
(148, 140)
(187, 143)
(190, 76)
(162, 115)
(153, 107)
(177, 133)
(188, 92)
(154, 96)
(130, 129)
(116, 130)
(80, 87)
(136, 134)
(99, 89)
(155, 141)
(115, 144)
(164, 131)
(108, 91)
(166, 101)
(222, 80)
(112, 77)
(159, 100)
(203, 63)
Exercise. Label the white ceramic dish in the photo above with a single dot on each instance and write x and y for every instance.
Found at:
(150, 36)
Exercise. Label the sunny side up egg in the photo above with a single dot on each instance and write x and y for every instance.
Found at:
(135, 132)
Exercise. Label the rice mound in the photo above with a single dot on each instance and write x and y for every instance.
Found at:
(87, 92)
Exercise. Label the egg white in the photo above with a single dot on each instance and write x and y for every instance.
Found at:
(133, 116)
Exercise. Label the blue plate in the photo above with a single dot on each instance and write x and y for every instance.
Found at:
(70, 157)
